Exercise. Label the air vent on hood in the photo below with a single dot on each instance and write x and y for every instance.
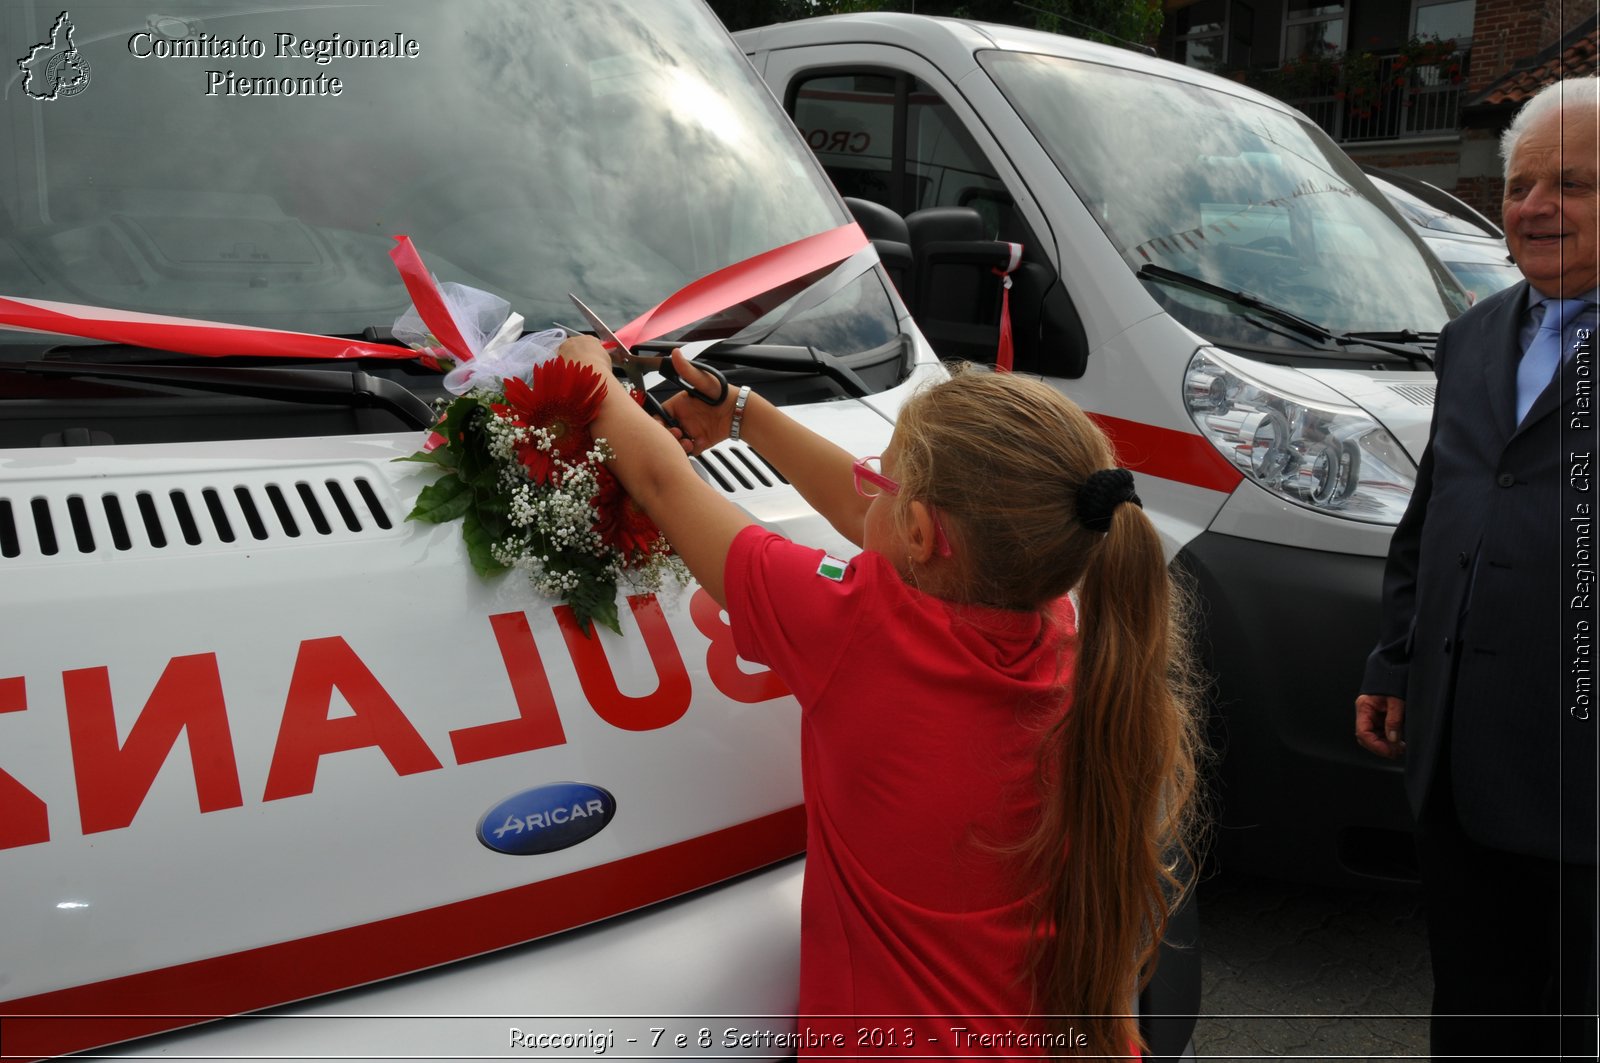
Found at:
(1420, 394)
(737, 469)
(117, 517)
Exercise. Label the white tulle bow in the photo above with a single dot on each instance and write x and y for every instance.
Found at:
(492, 331)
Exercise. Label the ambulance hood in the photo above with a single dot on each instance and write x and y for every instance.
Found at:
(1400, 401)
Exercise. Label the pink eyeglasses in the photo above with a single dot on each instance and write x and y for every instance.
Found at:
(871, 482)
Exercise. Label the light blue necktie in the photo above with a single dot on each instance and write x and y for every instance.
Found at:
(1539, 361)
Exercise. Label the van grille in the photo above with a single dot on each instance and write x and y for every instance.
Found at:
(116, 517)
(738, 470)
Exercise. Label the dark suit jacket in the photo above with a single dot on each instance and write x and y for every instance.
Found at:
(1483, 618)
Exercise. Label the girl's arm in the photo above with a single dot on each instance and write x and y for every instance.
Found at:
(817, 468)
(698, 521)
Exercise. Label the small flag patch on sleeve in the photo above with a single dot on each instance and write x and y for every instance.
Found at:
(832, 568)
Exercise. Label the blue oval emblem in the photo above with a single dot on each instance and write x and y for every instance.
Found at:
(547, 818)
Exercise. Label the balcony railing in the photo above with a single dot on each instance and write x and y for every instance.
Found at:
(1363, 96)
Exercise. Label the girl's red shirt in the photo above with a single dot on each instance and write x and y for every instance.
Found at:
(920, 721)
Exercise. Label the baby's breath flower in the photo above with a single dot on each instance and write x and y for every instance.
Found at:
(562, 526)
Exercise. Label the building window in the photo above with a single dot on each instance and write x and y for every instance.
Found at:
(1313, 27)
(1214, 34)
(1448, 20)
(1241, 35)
(1200, 34)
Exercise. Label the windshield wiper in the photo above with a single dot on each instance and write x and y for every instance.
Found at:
(356, 387)
(1404, 342)
(778, 358)
(1238, 297)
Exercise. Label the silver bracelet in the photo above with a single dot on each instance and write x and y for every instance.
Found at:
(738, 412)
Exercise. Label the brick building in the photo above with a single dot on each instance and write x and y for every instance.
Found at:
(1419, 86)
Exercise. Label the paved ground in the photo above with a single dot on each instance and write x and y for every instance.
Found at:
(1307, 972)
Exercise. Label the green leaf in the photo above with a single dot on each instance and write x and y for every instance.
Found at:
(485, 477)
(491, 503)
(439, 456)
(480, 534)
(447, 498)
(456, 426)
(604, 612)
(595, 600)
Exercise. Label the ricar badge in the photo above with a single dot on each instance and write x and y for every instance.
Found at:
(547, 819)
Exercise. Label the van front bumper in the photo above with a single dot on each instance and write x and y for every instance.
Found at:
(1284, 635)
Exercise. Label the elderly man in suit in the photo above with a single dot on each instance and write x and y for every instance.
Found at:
(1483, 678)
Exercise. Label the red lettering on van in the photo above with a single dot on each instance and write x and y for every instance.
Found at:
(665, 705)
(722, 660)
(537, 724)
(114, 778)
(306, 733)
(24, 820)
(855, 142)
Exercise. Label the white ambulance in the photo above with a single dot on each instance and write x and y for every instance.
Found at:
(268, 748)
(1208, 275)
(264, 743)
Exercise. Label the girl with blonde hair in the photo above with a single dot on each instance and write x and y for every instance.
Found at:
(998, 783)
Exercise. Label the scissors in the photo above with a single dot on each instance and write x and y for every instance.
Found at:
(632, 363)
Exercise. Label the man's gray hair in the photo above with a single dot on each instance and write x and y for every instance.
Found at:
(1571, 92)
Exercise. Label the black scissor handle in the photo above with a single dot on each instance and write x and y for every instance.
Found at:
(670, 373)
(629, 370)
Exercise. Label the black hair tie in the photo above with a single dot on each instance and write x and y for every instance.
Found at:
(1100, 496)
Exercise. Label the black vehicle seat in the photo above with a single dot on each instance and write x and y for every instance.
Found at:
(956, 291)
(887, 231)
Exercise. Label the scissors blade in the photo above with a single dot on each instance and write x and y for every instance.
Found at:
(601, 329)
(630, 364)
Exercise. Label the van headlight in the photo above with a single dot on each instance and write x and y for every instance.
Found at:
(1328, 456)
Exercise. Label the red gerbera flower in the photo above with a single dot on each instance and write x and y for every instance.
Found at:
(622, 523)
(564, 399)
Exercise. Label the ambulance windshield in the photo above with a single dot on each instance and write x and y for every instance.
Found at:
(1225, 190)
(251, 162)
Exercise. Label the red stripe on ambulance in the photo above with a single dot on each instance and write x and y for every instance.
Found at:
(87, 1016)
(1168, 453)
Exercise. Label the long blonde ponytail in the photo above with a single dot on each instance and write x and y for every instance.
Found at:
(1005, 460)
(1119, 812)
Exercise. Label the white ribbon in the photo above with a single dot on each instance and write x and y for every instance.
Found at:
(492, 331)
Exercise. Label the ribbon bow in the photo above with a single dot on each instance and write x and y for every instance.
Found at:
(475, 330)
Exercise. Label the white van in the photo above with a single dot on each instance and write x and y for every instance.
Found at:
(1471, 246)
(261, 738)
(1222, 289)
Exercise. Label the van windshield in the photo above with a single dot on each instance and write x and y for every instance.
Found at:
(1236, 194)
(251, 162)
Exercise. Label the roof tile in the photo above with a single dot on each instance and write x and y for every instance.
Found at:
(1574, 56)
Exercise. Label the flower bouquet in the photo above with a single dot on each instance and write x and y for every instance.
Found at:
(521, 469)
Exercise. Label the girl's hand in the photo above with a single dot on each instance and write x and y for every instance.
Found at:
(704, 425)
(586, 350)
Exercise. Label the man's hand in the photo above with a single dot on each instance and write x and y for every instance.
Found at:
(1380, 725)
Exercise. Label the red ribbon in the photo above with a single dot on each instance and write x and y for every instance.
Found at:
(743, 280)
(184, 335)
(700, 298)
(428, 299)
(1002, 356)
